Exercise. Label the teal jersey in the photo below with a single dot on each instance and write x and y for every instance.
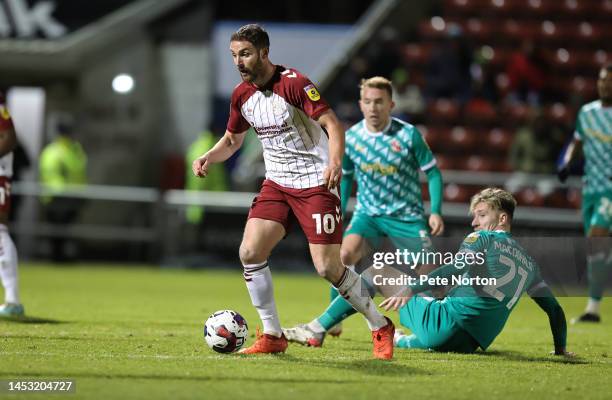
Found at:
(594, 129)
(386, 166)
(483, 310)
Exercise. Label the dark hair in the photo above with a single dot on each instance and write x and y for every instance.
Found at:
(607, 67)
(254, 34)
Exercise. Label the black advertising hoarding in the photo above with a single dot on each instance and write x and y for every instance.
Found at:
(51, 19)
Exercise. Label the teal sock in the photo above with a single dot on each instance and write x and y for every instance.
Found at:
(333, 293)
(337, 311)
(597, 271)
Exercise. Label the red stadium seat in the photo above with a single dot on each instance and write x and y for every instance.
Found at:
(478, 163)
(516, 31)
(416, 54)
(443, 111)
(432, 29)
(515, 114)
(445, 162)
(461, 139)
(478, 29)
(557, 199)
(585, 87)
(559, 114)
(456, 193)
(479, 112)
(574, 197)
(460, 7)
(498, 141)
(530, 197)
(540, 8)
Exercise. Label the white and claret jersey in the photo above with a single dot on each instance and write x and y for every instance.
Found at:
(283, 114)
(386, 166)
(594, 129)
(6, 163)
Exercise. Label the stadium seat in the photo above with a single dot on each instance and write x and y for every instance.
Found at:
(530, 197)
(430, 30)
(456, 193)
(557, 199)
(416, 54)
(462, 140)
(479, 112)
(514, 31)
(540, 9)
(479, 30)
(574, 197)
(559, 114)
(443, 111)
(515, 114)
(585, 87)
(444, 162)
(477, 163)
(498, 141)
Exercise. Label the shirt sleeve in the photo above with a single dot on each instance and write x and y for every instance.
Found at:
(474, 242)
(422, 152)
(236, 122)
(579, 130)
(303, 94)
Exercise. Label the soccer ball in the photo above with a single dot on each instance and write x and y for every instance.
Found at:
(225, 331)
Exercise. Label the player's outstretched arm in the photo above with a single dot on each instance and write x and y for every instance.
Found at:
(568, 154)
(333, 127)
(435, 186)
(558, 325)
(224, 149)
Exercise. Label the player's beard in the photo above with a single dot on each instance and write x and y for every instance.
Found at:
(250, 75)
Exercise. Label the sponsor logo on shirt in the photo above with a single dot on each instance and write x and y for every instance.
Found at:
(472, 237)
(312, 92)
(4, 113)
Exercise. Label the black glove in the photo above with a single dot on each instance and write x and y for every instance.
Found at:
(563, 173)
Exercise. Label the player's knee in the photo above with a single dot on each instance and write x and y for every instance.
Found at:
(348, 257)
(328, 269)
(249, 255)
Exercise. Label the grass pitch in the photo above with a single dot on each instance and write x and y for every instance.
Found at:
(138, 333)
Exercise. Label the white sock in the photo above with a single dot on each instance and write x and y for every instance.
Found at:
(8, 269)
(349, 288)
(316, 326)
(593, 306)
(259, 283)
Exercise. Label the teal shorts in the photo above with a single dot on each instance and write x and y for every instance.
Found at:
(433, 327)
(597, 211)
(411, 235)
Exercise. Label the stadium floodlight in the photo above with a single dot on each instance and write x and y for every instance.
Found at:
(123, 83)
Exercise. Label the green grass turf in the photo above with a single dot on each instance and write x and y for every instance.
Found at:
(137, 333)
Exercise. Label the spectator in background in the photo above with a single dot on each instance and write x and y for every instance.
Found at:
(534, 151)
(409, 101)
(527, 70)
(448, 70)
(249, 171)
(62, 164)
(216, 182)
(21, 161)
(347, 89)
